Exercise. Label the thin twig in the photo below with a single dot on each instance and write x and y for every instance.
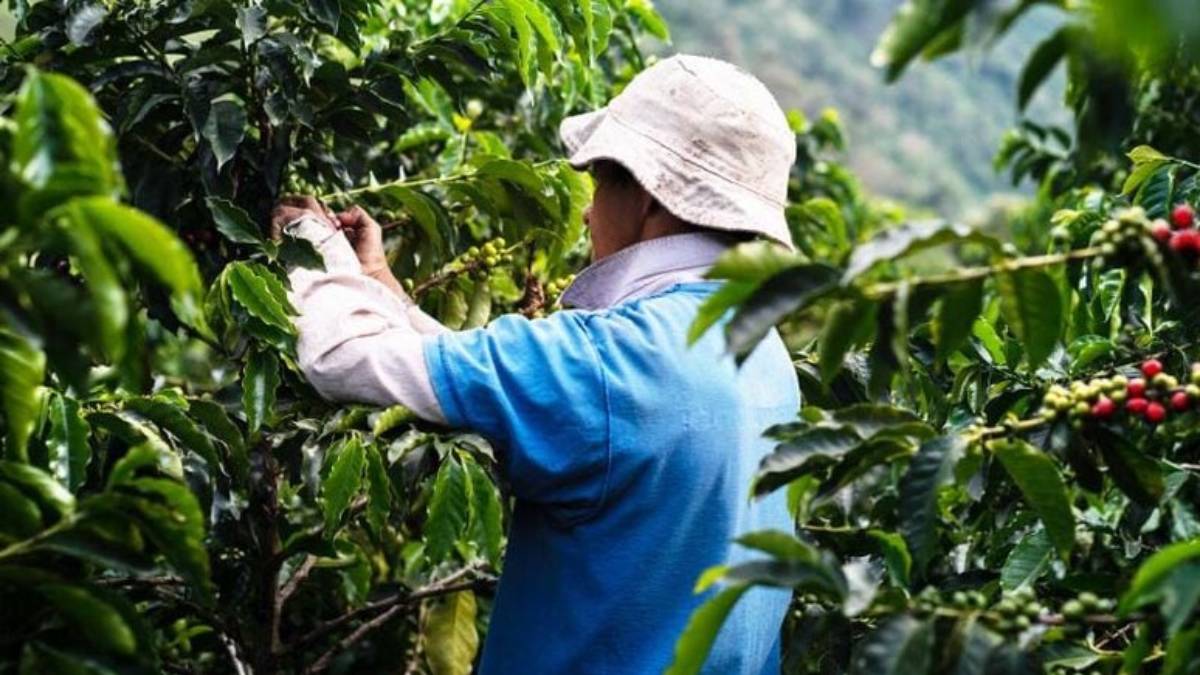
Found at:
(391, 607)
(888, 289)
(302, 572)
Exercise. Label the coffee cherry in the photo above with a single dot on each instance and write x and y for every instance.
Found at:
(1137, 406)
(1104, 408)
(1151, 367)
(1155, 413)
(1185, 242)
(1180, 401)
(1073, 609)
(1089, 600)
(1184, 216)
(1136, 388)
(1161, 231)
(1164, 381)
(1193, 391)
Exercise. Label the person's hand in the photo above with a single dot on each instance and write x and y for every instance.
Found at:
(367, 238)
(293, 208)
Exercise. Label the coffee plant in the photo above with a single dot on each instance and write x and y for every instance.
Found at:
(174, 497)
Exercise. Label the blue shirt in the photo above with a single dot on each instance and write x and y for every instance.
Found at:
(630, 455)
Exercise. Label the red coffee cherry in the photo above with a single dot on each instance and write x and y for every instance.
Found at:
(1184, 216)
(1137, 406)
(1136, 388)
(1155, 413)
(1105, 408)
(1152, 367)
(1161, 231)
(1180, 401)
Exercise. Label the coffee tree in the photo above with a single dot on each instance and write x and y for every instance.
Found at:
(174, 497)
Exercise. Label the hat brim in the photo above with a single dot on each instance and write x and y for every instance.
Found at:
(685, 189)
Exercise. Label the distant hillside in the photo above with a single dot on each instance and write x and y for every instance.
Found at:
(928, 140)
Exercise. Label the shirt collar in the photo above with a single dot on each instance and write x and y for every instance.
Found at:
(645, 268)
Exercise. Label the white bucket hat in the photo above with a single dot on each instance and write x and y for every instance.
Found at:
(702, 136)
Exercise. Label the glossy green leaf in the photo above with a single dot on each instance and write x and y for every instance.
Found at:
(62, 146)
(97, 621)
(343, 481)
(233, 222)
(789, 291)
(954, 315)
(218, 423)
(848, 323)
(1146, 162)
(22, 517)
(1027, 561)
(1040, 482)
(224, 129)
(931, 468)
(169, 515)
(486, 513)
(67, 445)
(23, 367)
(379, 490)
(811, 451)
(260, 380)
(479, 309)
(978, 643)
(449, 510)
(1041, 63)
(48, 493)
(1135, 473)
(449, 634)
(1155, 571)
(1032, 308)
(696, 641)
(903, 645)
(895, 555)
(260, 294)
(894, 243)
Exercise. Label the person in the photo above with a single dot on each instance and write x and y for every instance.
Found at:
(630, 454)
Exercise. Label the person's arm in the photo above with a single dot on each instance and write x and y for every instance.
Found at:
(356, 339)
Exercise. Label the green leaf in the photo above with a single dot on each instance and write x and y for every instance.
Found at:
(978, 643)
(171, 417)
(149, 243)
(421, 208)
(67, 446)
(260, 379)
(343, 481)
(1137, 474)
(810, 451)
(894, 243)
(110, 304)
(379, 490)
(789, 291)
(848, 323)
(1038, 477)
(930, 469)
(716, 306)
(895, 555)
(954, 315)
(61, 146)
(694, 645)
(1146, 161)
(1041, 63)
(449, 634)
(1030, 302)
(1027, 561)
(916, 27)
(252, 21)
(649, 18)
(782, 545)
(22, 517)
(169, 515)
(97, 621)
(1183, 653)
(753, 262)
(40, 486)
(217, 422)
(255, 289)
(486, 513)
(1151, 575)
(224, 129)
(901, 646)
(449, 511)
(22, 369)
(479, 309)
(392, 418)
(233, 222)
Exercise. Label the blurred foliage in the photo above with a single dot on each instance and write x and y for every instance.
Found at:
(173, 496)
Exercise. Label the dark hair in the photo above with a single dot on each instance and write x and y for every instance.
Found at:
(612, 172)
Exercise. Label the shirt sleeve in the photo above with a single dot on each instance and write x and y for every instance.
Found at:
(357, 339)
(536, 390)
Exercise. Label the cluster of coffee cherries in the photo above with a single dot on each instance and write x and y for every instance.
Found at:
(1123, 239)
(1076, 610)
(1015, 611)
(556, 287)
(1151, 397)
(1180, 234)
